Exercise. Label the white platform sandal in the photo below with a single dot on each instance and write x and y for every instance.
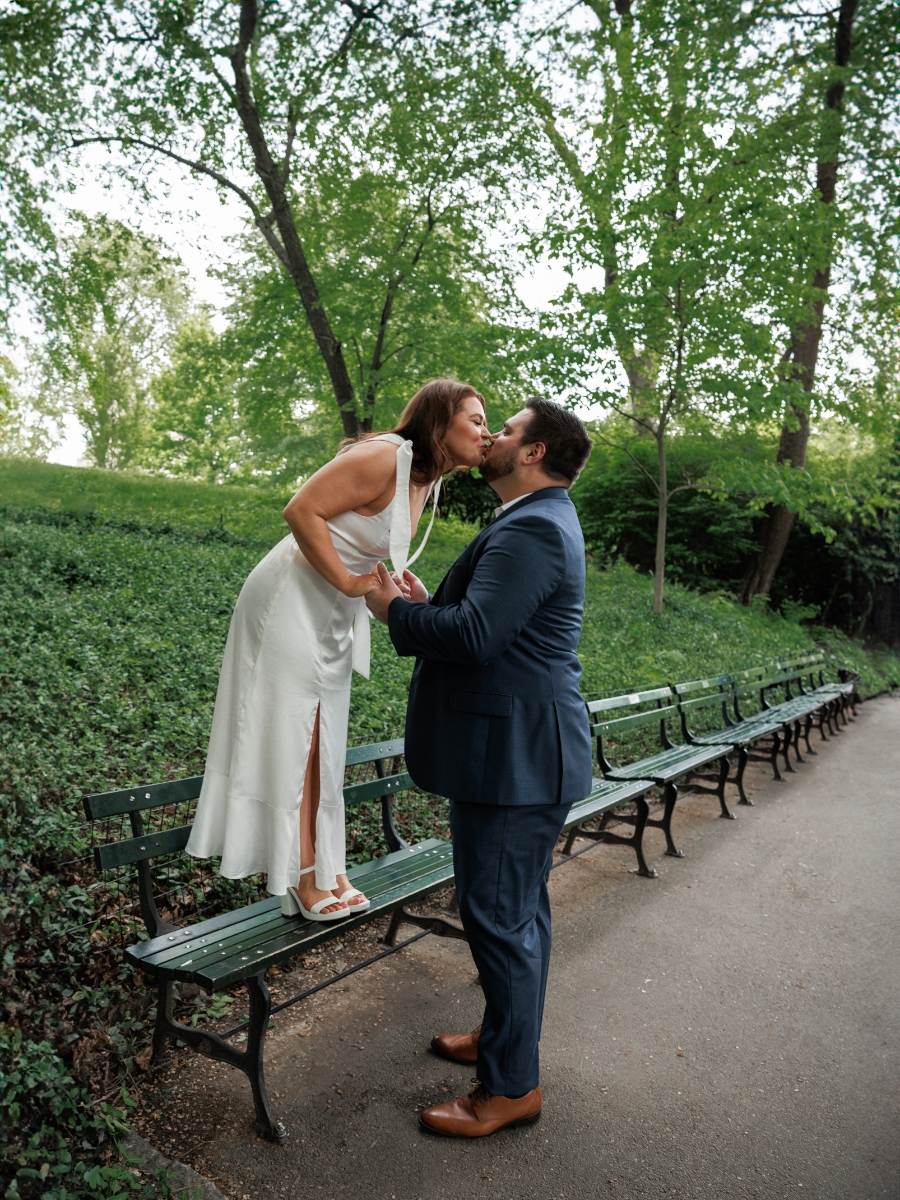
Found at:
(348, 896)
(292, 905)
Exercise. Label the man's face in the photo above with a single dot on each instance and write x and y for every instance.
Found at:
(502, 457)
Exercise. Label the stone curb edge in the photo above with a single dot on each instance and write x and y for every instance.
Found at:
(180, 1178)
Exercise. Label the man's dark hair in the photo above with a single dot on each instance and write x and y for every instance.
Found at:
(567, 444)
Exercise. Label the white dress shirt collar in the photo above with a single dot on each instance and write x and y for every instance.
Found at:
(510, 503)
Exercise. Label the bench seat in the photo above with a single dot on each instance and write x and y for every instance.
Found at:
(751, 729)
(221, 951)
(669, 765)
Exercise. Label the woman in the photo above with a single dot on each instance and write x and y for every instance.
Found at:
(272, 797)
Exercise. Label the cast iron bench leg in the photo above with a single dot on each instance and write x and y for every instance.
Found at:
(798, 733)
(436, 925)
(636, 841)
(720, 789)
(776, 750)
(743, 756)
(250, 1061)
(807, 729)
(669, 798)
(785, 749)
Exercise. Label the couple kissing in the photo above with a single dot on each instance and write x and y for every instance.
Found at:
(495, 720)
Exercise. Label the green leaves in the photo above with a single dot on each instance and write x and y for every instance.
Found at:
(109, 317)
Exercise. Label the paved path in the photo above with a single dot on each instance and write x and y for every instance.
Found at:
(728, 1030)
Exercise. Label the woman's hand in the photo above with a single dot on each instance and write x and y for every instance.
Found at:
(360, 585)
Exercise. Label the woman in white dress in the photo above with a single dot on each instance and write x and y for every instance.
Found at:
(272, 797)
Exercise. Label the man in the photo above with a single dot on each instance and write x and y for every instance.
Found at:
(496, 723)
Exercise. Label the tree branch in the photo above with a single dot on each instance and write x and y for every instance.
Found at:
(192, 164)
(640, 466)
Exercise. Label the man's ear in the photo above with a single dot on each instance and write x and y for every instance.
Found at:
(534, 452)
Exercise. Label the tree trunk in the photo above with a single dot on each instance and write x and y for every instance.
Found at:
(294, 257)
(804, 350)
(659, 570)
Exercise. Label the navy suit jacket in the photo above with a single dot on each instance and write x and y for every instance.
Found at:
(495, 715)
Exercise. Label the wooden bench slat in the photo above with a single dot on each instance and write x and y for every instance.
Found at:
(356, 793)
(264, 920)
(372, 753)
(151, 795)
(386, 862)
(605, 794)
(224, 923)
(648, 717)
(133, 850)
(286, 936)
(670, 764)
(99, 805)
(696, 685)
(215, 976)
(738, 735)
(629, 698)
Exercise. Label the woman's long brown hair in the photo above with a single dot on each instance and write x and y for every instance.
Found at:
(425, 422)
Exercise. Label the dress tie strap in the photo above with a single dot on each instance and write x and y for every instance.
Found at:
(401, 525)
(362, 639)
(400, 537)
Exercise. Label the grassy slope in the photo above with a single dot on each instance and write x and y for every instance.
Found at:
(624, 646)
(150, 499)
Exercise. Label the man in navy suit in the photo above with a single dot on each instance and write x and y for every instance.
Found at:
(496, 723)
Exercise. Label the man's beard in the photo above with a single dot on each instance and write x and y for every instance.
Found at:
(496, 467)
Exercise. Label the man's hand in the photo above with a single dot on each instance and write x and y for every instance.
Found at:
(411, 587)
(379, 600)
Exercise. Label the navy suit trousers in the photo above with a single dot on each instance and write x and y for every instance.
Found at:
(502, 855)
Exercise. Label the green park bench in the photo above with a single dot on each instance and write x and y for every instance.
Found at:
(817, 702)
(239, 946)
(702, 699)
(806, 701)
(640, 712)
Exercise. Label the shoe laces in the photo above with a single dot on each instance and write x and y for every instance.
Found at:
(479, 1094)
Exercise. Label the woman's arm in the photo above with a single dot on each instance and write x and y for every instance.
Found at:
(360, 478)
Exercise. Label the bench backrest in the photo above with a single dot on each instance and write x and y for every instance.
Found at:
(656, 706)
(700, 695)
(789, 675)
(143, 846)
(746, 689)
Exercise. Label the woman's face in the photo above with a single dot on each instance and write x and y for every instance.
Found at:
(467, 437)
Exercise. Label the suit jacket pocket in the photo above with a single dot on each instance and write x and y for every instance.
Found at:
(487, 704)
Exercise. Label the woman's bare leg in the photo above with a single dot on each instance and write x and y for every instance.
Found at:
(309, 809)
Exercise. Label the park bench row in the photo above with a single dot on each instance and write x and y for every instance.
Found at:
(239, 946)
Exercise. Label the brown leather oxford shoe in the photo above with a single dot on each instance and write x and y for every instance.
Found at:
(458, 1047)
(480, 1114)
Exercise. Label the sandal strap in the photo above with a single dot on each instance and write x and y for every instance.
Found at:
(322, 904)
(350, 893)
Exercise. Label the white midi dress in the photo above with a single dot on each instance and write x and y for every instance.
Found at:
(293, 643)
